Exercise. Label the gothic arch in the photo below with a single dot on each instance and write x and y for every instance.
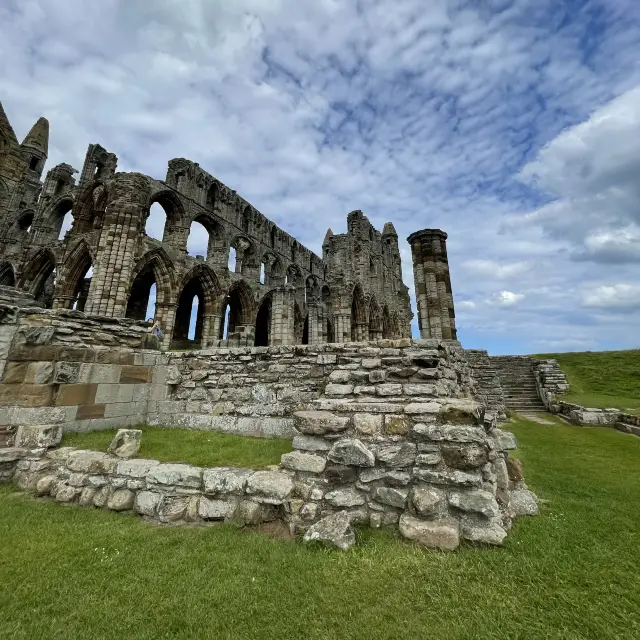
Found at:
(241, 308)
(359, 328)
(199, 283)
(74, 268)
(90, 205)
(300, 324)
(375, 320)
(263, 322)
(217, 251)
(7, 275)
(53, 216)
(155, 267)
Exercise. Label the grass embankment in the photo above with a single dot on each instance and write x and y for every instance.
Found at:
(572, 573)
(201, 448)
(602, 379)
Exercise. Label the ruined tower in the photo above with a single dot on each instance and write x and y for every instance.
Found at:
(434, 299)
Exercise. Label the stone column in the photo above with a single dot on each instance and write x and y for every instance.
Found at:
(282, 329)
(315, 323)
(436, 316)
(342, 327)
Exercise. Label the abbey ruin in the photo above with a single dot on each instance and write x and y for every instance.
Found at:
(262, 338)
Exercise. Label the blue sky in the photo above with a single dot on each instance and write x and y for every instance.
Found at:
(512, 125)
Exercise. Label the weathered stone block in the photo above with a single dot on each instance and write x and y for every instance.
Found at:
(428, 502)
(146, 502)
(396, 454)
(183, 475)
(338, 389)
(392, 496)
(368, 423)
(389, 389)
(39, 373)
(303, 462)
(448, 477)
(491, 533)
(91, 462)
(333, 530)
(136, 468)
(26, 395)
(309, 443)
(215, 509)
(172, 508)
(419, 408)
(523, 503)
(135, 374)
(32, 437)
(481, 502)
(444, 535)
(126, 443)
(351, 451)
(464, 456)
(121, 500)
(225, 480)
(396, 425)
(272, 487)
(89, 411)
(70, 394)
(347, 497)
(319, 422)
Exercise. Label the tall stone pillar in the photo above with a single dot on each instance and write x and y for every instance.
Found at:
(436, 316)
(282, 329)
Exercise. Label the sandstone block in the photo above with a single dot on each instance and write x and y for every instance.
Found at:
(427, 501)
(448, 477)
(333, 530)
(272, 487)
(319, 422)
(396, 454)
(126, 443)
(309, 443)
(491, 533)
(121, 500)
(33, 437)
(146, 502)
(172, 508)
(11, 454)
(225, 480)
(390, 476)
(215, 509)
(339, 376)
(303, 462)
(338, 389)
(444, 535)
(183, 475)
(389, 389)
(392, 496)
(351, 451)
(523, 503)
(136, 468)
(396, 425)
(419, 408)
(91, 462)
(367, 423)
(481, 502)
(39, 373)
(449, 433)
(464, 456)
(347, 497)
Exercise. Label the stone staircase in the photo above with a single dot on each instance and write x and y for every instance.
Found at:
(518, 382)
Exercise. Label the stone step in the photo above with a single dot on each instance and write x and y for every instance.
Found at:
(628, 428)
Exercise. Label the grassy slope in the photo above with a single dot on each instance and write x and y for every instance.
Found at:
(202, 448)
(572, 573)
(602, 378)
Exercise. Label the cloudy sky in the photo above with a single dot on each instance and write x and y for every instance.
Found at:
(514, 125)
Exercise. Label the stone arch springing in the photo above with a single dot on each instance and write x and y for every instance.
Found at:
(246, 262)
(359, 328)
(7, 275)
(311, 289)
(375, 320)
(39, 276)
(263, 323)
(72, 287)
(294, 276)
(236, 320)
(57, 219)
(196, 327)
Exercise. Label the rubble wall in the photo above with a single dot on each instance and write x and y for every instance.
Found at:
(255, 390)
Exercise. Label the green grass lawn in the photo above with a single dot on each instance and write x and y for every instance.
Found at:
(202, 448)
(602, 379)
(571, 573)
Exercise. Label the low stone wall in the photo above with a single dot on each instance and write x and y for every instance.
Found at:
(255, 390)
(160, 491)
(590, 417)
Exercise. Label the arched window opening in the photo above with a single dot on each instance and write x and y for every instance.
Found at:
(232, 260)
(262, 273)
(24, 224)
(224, 324)
(212, 196)
(33, 163)
(198, 240)
(142, 297)
(156, 220)
(358, 319)
(7, 276)
(236, 321)
(187, 331)
(65, 225)
(263, 324)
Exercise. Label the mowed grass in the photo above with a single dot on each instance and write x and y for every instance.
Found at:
(571, 573)
(602, 379)
(201, 448)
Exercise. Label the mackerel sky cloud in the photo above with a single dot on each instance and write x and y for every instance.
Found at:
(514, 125)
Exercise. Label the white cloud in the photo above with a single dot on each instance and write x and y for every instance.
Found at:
(420, 113)
(618, 297)
(505, 298)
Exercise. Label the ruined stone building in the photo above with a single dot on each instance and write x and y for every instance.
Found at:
(277, 293)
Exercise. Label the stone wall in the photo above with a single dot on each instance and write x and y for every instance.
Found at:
(550, 379)
(81, 372)
(255, 390)
(164, 492)
(488, 385)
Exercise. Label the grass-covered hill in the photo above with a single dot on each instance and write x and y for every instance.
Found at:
(602, 379)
